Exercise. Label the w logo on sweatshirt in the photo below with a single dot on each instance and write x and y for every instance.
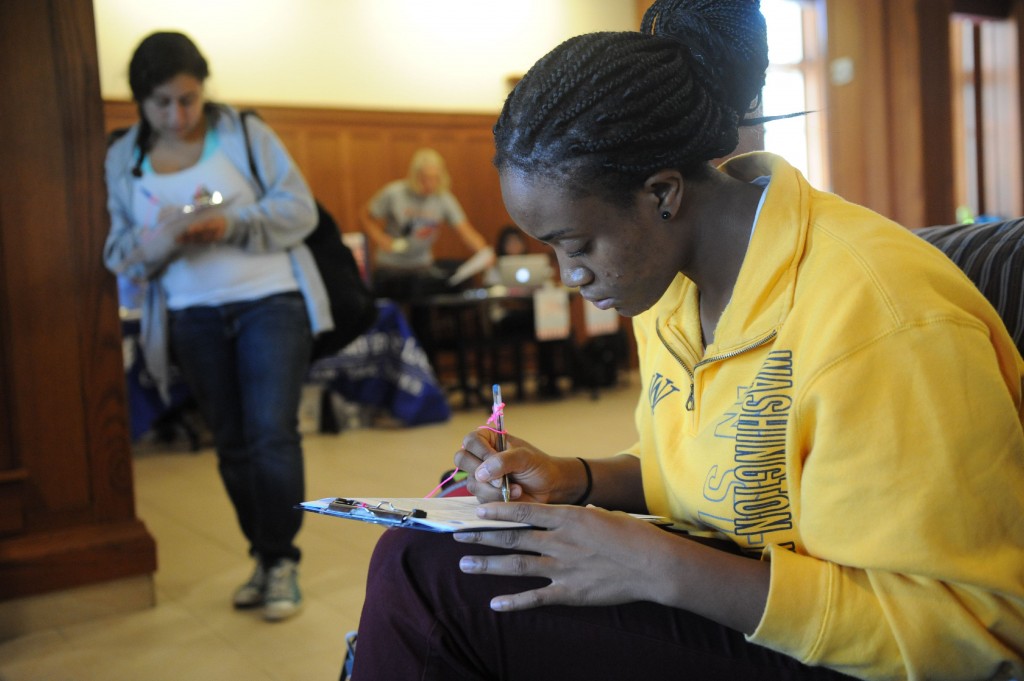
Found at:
(661, 387)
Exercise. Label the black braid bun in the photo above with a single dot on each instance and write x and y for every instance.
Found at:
(603, 111)
(727, 39)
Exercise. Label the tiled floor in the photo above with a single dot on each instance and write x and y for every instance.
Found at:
(194, 633)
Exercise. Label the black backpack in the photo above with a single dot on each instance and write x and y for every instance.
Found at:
(351, 302)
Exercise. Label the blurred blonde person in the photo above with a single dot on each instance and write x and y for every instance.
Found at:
(404, 219)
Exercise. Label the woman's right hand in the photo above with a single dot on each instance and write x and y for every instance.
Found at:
(534, 475)
(208, 231)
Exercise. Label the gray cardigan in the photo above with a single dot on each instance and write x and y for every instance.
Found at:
(280, 220)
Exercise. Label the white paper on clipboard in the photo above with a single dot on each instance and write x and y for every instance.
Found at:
(433, 514)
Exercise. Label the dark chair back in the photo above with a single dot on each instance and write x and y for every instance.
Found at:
(992, 255)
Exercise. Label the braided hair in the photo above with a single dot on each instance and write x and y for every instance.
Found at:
(603, 111)
(158, 58)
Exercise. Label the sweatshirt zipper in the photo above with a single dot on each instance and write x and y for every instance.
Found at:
(690, 401)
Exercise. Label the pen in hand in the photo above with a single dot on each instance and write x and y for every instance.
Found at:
(499, 414)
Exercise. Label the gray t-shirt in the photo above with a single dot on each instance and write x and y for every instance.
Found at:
(416, 218)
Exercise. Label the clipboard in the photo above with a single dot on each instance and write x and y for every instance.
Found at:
(445, 514)
(441, 514)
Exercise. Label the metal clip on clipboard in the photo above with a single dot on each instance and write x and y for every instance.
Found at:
(384, 512)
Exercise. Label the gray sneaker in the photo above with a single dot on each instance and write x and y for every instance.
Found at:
(250, 594)
(282, 597)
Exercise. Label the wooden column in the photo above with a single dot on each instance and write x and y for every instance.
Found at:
(67, 510)
(936, 110)
(1017, 14)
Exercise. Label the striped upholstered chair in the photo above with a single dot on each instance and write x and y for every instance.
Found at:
(992, 255)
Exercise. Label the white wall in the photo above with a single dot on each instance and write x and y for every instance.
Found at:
(420, 55)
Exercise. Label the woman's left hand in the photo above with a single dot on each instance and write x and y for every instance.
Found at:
(592, 556)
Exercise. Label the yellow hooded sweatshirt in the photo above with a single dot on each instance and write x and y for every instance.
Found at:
(857, 422)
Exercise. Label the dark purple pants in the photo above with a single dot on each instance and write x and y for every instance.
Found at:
(424, 619)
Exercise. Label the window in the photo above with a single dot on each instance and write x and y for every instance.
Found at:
(986, 115)
(795, 82)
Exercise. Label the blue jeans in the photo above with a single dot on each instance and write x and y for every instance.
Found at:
(245, 364)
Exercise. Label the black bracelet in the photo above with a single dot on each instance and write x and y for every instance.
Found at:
(590, 483)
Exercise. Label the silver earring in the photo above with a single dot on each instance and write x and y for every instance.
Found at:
(665, 215)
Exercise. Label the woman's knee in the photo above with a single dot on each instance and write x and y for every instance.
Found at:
(401, 551)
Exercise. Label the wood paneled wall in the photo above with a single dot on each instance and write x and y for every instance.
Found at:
(67, 515)
(891, 127)
(876, 121)
(348, 155)
(890, 145)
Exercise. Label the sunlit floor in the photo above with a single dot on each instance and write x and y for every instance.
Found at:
(194, 633)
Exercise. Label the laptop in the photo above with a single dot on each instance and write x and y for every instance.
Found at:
(532, 270)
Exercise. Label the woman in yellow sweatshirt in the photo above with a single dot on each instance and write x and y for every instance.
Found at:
(829, 409)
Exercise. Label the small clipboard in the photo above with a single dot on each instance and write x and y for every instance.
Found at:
(446, 514)
(433, 514)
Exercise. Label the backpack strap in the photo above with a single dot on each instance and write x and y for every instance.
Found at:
(117, 134)
(243, 114)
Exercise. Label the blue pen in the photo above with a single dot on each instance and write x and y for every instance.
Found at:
(155, 203)
(149, 197)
